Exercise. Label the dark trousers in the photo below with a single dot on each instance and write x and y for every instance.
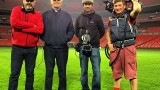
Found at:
(18, 54)
(61, 56)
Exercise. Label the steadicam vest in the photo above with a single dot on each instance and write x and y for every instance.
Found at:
(122, 30)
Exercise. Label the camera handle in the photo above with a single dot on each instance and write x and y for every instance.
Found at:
(109, 5)
(129, 5)
(86, 38)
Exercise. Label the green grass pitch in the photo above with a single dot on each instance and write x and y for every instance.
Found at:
(148, 71)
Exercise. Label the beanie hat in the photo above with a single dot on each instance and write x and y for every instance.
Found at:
(87, 1)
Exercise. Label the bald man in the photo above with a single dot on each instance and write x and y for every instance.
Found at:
(57, 32)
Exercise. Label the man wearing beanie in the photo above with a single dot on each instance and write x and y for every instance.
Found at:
(87, 1)
(89, 23)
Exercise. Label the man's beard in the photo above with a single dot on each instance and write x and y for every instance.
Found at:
(88, 11)
(28, 7)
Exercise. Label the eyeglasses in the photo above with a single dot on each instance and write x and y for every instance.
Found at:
(88, 3)
(56, 0)
(29, 0)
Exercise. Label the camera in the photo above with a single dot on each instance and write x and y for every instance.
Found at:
(129, 5)
(86, 46)
(110, 5)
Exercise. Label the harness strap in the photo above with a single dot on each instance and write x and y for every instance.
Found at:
(128, 42)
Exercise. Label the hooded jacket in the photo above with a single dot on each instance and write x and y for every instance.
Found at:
(93, 24)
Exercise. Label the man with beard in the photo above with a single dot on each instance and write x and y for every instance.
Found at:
(27, 25)
(57, 32)
(89, 25)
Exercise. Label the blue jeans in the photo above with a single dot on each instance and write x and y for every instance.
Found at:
(19, 54)
(95, 61)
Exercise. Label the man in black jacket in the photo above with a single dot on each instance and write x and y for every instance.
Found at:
(58, 31)
(89, 29)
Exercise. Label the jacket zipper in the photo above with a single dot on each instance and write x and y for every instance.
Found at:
(117, 22)
(131, 28)
(26, 19)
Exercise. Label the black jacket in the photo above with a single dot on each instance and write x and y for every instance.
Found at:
(58, 28)
(94, 24)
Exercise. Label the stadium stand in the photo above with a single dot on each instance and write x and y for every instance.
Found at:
(5, 42)
(3, 30)
(153, 29)
(150, 2)
(148, 41)
(5, 36)
(148, 20)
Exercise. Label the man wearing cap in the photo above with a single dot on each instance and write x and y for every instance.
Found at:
(89, 23)
(27, 25)
(58, 32)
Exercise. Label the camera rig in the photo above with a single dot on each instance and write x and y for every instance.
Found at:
(110, 5)
(86, 46)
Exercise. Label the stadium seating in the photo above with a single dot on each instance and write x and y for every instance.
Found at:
(149, 36)
(150, 2)
(5, 36)
(153, 29)
(5, 42)
(74, 39)
(148, 41)
(3, 30)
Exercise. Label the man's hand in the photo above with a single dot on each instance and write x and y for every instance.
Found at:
(137, 7)
(111, 48)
